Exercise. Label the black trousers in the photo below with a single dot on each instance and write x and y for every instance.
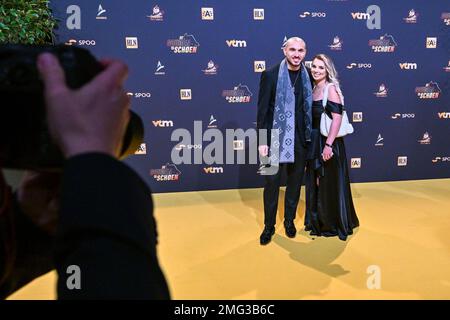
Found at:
(295, 172)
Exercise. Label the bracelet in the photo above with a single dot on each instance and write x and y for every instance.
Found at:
(328, 145)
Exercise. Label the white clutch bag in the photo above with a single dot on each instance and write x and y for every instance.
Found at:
(325, 121)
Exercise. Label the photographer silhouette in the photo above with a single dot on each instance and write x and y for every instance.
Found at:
(97, 214)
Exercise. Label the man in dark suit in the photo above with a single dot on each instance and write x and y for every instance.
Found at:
(95, 223)
(284, 103)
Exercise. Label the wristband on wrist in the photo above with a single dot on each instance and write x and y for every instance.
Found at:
(328, 145)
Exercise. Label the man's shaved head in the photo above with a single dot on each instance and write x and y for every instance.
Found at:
(294, 39)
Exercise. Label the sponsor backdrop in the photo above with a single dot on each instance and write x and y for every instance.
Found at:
(201, 61)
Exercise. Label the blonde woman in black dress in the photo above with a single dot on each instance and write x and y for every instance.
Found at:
(329, 204)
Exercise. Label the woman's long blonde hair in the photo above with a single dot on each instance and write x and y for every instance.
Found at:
(332, 75)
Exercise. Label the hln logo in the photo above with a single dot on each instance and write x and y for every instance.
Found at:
(185, 94)
(355, 163)
(357, 116)
(210, 170)
(402, 161)
(237, 43)
(258, 14)
(131, 43)
(260, 66)
(163, 123)
(207, 13)
(238, 145)
(408, 66)
(431, 42)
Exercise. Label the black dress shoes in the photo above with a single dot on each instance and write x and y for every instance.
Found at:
(266, 235)
(290, 228)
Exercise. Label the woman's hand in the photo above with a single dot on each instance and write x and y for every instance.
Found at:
(327, 153)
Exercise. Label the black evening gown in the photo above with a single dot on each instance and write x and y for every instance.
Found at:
(329, 206)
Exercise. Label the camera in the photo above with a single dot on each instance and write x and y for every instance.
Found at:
(25, 142)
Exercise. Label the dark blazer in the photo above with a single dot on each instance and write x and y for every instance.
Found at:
(266, 104)
(106, 228)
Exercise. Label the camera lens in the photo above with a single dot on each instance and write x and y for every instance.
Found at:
(134, 135)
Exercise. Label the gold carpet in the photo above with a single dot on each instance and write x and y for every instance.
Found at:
(209, 247)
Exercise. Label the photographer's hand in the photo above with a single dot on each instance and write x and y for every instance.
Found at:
(92, 118)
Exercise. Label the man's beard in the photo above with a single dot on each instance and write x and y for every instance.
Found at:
(293, 65)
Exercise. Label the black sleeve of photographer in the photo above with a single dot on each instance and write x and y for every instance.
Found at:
(25, 250)
(106, 238)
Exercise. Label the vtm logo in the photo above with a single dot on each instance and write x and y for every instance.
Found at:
(162, 123)
(360, 16)
(236, 43)
(213, 170)
(444, 115)
(408, 66)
